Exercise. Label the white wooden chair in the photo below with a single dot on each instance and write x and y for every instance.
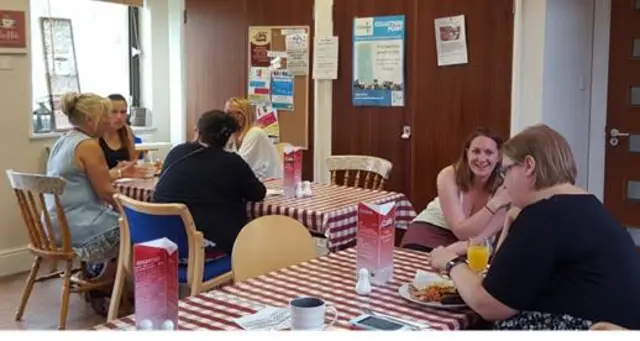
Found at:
(377, 170)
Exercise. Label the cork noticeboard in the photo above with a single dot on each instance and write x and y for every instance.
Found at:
(266, 43)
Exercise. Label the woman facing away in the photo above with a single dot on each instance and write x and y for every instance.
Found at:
(78, 159)
(566, 262)
(117, 143)
(251, 142)
(469, 202)
(213, 183)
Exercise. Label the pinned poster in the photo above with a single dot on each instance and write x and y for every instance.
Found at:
(282, 90)
(297, 49)
(451, 41)
(260, 44)
(378, 61)
(259, 85)
(267, 118)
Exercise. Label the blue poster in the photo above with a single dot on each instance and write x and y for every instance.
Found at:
(282, 90)
(378, 61)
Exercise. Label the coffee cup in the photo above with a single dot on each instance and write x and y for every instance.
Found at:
(307, 313)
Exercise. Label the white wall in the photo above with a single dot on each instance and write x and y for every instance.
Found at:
(560, 76)
(27, 153)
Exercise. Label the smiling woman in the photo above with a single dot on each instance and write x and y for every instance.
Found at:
(469, 203)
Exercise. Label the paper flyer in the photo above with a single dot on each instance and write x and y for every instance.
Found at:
(451, 41)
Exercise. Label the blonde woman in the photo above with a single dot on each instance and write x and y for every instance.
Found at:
(77, 158)
(252, 143)
(566, 262)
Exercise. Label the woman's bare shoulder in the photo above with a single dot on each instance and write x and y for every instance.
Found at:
(447, 176)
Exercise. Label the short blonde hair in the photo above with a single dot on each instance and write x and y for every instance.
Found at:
(554, 160)
(78, 106)
(243, 107)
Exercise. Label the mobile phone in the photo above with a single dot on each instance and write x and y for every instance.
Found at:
(370, 322)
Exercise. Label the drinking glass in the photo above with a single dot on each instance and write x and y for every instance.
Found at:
(478, 253)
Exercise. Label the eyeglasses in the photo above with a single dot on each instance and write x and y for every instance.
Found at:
(505, 169)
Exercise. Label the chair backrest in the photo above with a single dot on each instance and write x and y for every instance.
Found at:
(377, 170)
(280, 148)
(270, 243)
(30, 191)
(148, 221)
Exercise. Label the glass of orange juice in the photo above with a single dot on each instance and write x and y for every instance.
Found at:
(478, 252)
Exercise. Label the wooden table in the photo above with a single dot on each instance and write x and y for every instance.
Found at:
(331, 211)
(331, 278)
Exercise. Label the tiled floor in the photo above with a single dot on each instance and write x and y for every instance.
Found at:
(43, 307)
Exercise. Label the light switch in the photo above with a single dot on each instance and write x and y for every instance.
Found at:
(5, 63)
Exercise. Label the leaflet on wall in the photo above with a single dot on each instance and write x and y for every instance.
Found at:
(259, 85)
(282, 90)
(378, 61)
(267, 118)
(297, 48)
(451, 41)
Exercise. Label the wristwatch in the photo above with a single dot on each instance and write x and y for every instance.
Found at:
(452, 263)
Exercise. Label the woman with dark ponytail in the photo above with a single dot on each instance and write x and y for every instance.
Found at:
(213, 183)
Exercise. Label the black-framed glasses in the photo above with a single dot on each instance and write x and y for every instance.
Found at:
(505, 169)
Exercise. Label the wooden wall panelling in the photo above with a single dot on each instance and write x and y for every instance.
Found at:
(216, 38)
(373, 130)
(454, 100)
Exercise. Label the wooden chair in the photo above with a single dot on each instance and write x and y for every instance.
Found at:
(30, 191)
(280, 148)
(142, 222)
(377, 170)
(270, 243)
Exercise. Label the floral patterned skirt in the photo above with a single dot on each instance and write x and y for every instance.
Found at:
(101, 247)
(533, 320)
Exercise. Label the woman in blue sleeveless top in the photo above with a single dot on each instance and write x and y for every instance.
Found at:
(88, 195)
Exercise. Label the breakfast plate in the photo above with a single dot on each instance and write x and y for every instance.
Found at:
(431, 290)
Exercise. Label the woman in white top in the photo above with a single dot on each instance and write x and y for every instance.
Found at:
(252, 143)
(470, 201)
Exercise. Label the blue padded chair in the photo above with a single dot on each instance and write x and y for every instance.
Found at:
(142, 221)
(137, 140)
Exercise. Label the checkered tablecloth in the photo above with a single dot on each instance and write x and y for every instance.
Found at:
(331, 278)
(330, 211)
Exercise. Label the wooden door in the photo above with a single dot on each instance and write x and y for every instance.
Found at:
(622, 160)
(373, 131)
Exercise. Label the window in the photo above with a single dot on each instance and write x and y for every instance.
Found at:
(95, 54)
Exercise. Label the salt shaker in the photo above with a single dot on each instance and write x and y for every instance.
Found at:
(145, 325)
(363, 286)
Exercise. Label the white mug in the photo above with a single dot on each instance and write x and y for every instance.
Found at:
(307, 313)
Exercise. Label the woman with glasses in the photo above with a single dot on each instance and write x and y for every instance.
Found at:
(566, 263)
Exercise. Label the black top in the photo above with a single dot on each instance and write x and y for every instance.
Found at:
(568, 255)
(113, 156)
(215, 185)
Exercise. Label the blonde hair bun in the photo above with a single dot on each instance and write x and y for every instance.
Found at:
(68, 103)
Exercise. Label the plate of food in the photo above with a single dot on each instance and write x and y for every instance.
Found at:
(432, 290)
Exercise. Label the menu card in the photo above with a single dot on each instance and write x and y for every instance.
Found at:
(375, 240)
(292, 167)
(156, 284)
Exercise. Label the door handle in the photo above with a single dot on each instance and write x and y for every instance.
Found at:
(406, 132)
(617, 133)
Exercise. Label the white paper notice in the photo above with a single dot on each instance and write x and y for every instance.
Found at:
(297, 47)
(325, 58)
(451, 40)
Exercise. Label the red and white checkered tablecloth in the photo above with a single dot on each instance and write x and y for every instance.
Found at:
(330, 211)
(331, 278)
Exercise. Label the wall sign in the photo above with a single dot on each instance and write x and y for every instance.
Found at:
(13, 30)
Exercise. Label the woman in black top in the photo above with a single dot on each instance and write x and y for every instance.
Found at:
(566, 262)
(214, 184)
(117, 143)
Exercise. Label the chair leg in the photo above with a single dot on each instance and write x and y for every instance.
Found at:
(66, 290)
(116, 294)
(26, 292)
